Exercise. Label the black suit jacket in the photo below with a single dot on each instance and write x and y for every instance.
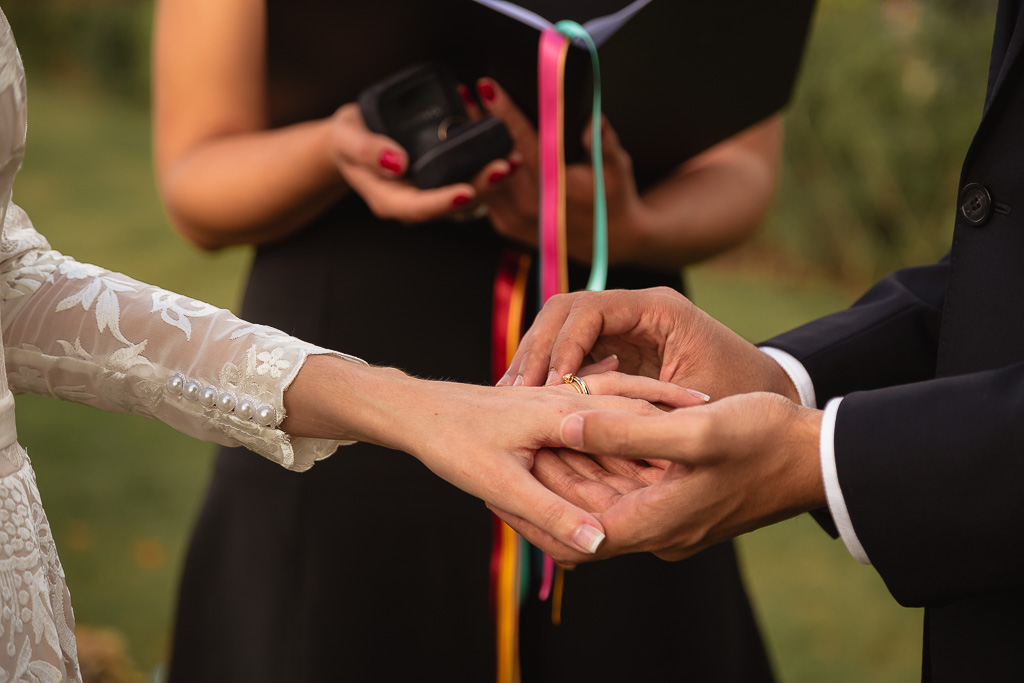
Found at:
(930, 437)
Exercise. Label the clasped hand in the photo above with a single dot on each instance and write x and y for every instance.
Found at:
(677, 482)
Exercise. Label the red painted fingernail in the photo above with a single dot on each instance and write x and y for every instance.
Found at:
(513, 164)
(390, 161)
(460, 199)
(496, 177)
(486, 91)
(467, 96)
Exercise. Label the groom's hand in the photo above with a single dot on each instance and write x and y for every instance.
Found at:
(734, 466)
(655, 332)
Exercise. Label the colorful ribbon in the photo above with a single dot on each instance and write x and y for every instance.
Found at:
(511, 555)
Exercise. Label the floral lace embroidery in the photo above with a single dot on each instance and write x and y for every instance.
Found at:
(102, 290)
(37, 642)
(174, 313)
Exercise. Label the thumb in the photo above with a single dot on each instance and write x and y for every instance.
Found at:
(552, 514)
(624, 435)
(611, 147)
(357, 144)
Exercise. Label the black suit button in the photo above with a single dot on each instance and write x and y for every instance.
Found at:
(975, 203)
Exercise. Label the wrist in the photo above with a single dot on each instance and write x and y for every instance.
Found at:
(633, 234)
(811, 481)
(332, 398)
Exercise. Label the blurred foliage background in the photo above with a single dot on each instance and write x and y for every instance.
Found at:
(888, 99)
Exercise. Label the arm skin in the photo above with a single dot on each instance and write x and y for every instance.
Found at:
(226, 178)
(481, 439)
(708, 204)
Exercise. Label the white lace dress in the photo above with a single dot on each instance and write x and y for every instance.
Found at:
(81, 333)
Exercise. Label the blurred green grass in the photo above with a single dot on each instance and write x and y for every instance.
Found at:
(121, 492)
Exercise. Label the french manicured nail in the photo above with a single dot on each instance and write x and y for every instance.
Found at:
(467, 96)
(552, 378)
(572, 431)
(460, 199)
(518, 382)
(698, 394)
(390, 161)
(496, 177)
(486, 91)
(588, 538)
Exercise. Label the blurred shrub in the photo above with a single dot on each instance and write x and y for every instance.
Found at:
(104, 43)
(888, 99)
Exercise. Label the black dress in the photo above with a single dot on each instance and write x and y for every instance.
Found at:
(368, 567)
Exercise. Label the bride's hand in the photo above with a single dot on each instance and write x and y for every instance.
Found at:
(481, 439)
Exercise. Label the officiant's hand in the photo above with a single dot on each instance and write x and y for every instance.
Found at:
(374, 166)
(733, 466)
(654, 332)
(513, 207)
(705, 205)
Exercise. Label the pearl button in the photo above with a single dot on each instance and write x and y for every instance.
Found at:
(227, 402)
(208, 396)
(265, 415)
(245, 409)
(191, 390)
(174, 384)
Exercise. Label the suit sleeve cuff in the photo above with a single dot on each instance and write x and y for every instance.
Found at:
(834, 494)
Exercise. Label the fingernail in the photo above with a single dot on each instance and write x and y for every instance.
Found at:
(699, 394)
(467, 96)
(588, 538)
(518, 382)
(390, 161)
(513, 164)
(503, 381)
(486, 91)
(552, 378)
(572, 431)
(496, 177)
(460, 199)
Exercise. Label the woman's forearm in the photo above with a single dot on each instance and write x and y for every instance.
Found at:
(252, 187)
(334, 399)
(710, 204)
(225, 176)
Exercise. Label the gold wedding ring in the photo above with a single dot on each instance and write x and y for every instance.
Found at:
(577, 383)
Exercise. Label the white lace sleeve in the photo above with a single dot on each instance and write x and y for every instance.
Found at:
(81, 333)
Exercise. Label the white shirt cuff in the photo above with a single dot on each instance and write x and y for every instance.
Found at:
(797, 374)
(834, 494)
(836, 503)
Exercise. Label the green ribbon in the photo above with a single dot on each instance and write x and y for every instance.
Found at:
(599, 263)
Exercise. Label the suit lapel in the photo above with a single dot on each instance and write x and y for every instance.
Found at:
(1010, 57)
